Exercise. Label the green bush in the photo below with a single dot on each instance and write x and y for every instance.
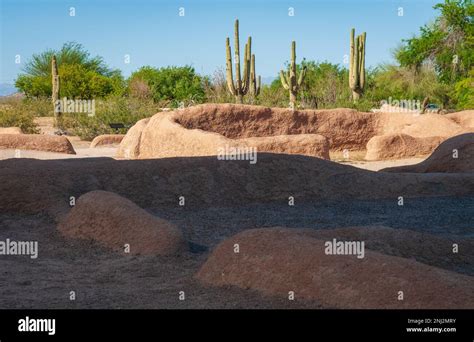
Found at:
(463, 92)
(112, 110)
(17, 113)
(169, 86)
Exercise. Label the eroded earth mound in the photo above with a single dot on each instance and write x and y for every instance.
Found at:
(204, 129)
(37, 142)
(394, 146)
(107, 139)
(453, 155)
(116, 222)
(279, 261)
(10, 130)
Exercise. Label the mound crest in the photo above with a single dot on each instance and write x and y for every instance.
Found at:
(453, 155)
(276, 261)
(107, 139)
(114, 221)
(393, 146)
(10, 130)
(37, 142)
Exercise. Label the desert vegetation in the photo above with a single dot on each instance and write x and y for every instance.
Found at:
(426, 72)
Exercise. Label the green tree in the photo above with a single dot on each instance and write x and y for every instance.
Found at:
(76, 69)
(447, 43)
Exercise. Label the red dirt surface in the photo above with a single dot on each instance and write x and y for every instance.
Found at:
(37, 142)
(276, 261)
(395, 146)
(443, 158)
(10, 130)
(208, 181)
(201, 130)
(113, 221)
(107, 139)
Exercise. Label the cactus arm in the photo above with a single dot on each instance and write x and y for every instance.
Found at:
(252, 75)
(352, 64)
(247, 67)
(302, 76)
(238, 80)
(284, 80)
(259, 82)
(362, 61)
(229, 77)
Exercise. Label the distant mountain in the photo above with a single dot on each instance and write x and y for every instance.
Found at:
(7, 89)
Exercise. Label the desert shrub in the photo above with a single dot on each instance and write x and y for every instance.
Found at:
(112, 110)
(78, 82)
(409, 84)
(170, 85)
(215, 88)
(463, 92)
(326, 85)
(273, 95)
(13, 113)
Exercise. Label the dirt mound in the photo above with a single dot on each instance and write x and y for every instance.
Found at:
(202, 130)
(346, 128)
(276, 261)
(114, 221)
(426, 248)
(130, 145)
(163, 137)
(464, 118)
(207, 181)
(47, 143)
(10, 130)
(453, 155)
(107, 139)
(393, 146)
(425, 125)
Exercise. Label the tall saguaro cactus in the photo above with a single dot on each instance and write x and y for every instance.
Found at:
(290, 82)
(55, 92)
(357, 65)
(243, 82)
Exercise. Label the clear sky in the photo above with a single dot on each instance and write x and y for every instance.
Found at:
(153, 33)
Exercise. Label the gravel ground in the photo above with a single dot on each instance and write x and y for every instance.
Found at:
(102, 279)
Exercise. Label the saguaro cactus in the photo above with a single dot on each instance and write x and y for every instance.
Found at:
(243, 82)
(290, 82)
(255, 82)
(55, 92)
(357, 65)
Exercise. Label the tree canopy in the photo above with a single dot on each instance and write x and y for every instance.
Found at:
(447, 43)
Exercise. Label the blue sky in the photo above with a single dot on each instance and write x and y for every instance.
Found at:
(152, 32)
